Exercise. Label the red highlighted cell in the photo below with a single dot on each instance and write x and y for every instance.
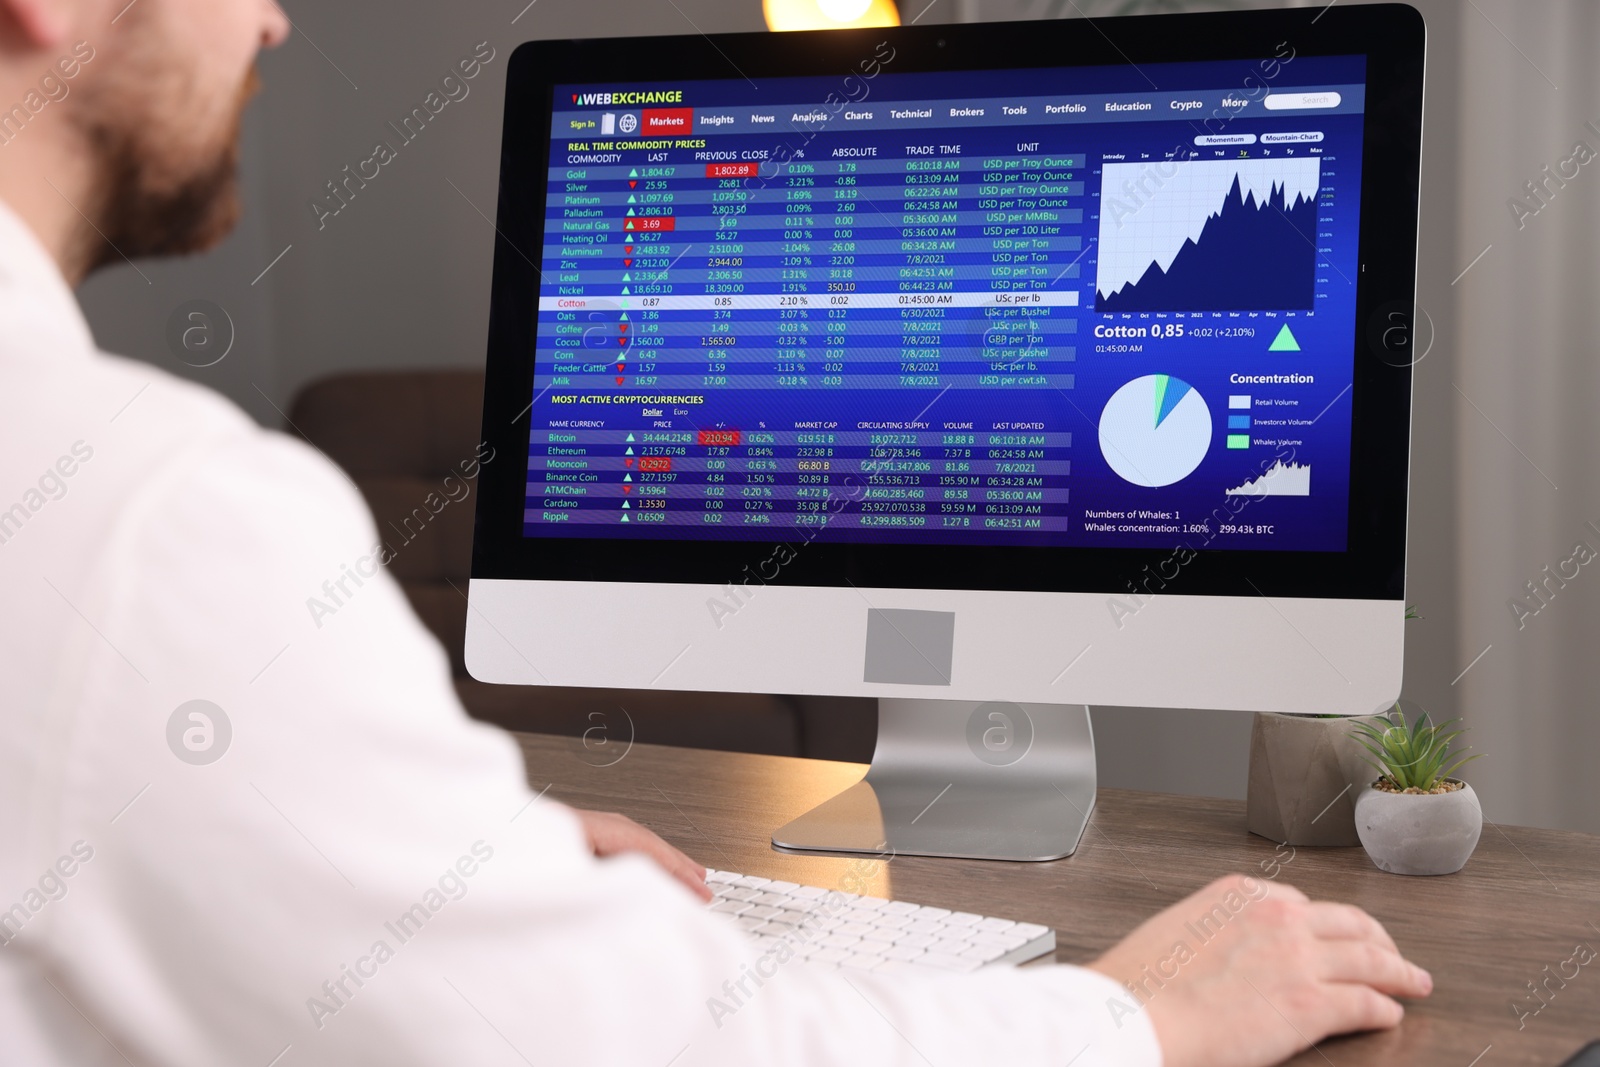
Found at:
(652, 223)
(655, 463)
(719, 437)
(732, 170)
(666, 120)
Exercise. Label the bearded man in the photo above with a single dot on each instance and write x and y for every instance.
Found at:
(231, 836)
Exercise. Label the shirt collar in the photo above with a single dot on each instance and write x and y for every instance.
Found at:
(37, 295)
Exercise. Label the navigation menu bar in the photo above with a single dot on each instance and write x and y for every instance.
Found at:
(1209, 106)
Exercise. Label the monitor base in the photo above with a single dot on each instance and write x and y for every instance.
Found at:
(963, 779)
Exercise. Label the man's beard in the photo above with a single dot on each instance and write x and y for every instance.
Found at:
(151, 204)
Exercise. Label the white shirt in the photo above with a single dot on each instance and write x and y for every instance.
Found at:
(157, 547)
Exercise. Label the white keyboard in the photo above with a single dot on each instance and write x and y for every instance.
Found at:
(840, 930)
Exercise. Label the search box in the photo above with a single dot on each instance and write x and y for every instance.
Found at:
(1300, 101)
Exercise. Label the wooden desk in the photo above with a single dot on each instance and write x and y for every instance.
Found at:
(1523, 902)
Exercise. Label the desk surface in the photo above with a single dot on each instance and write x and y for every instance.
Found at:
(1524, 901)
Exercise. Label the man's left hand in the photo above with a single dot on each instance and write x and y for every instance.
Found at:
(611, 834)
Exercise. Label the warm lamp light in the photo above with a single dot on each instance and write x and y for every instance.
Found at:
(844, 10)
(829, 14)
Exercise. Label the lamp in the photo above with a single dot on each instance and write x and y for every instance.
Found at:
(829, 14)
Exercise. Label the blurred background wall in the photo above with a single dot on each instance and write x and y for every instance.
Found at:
(1504, 438)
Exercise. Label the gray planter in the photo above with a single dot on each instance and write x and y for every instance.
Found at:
(1411, 833)
(1304, 776)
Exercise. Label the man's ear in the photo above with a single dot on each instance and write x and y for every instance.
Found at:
(41, 24)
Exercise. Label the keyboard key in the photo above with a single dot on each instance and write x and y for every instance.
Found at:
(855, 929)
(994, 926)
(891, 922)
(781, 887)
(721, 877)
(1030, 930)
(915, 940)
(750, 926)
(1006, 941)
(739, 893)
(933, 913)
(983, 953)
(808, 892)
(963, 918)
(840, 941)
(769, 898)
(900, 907)
(925, 926)
(949, 946)
(871, 903)
(750, 881)
(830, 955)
(879, 934)
(730, 907)
(759, 911)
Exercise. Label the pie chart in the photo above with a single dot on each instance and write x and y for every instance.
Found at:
(1155, 430)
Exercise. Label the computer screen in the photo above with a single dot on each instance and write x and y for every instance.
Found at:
(1056, 362)
(1095, 306)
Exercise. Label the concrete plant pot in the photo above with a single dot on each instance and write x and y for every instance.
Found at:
(1305, 773)
(1419, 833)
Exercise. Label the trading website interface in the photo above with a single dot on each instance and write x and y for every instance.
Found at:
(1066, 307)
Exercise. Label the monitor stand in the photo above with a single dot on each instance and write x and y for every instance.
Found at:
(963, 779)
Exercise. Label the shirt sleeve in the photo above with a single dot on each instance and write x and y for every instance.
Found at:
(363, 876)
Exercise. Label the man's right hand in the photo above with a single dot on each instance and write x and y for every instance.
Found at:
(1246, 972)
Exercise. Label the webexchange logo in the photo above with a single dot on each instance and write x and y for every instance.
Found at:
(663, 96)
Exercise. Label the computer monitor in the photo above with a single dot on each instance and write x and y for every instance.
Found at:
(993, 371)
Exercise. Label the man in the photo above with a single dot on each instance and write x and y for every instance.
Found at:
(363, 876)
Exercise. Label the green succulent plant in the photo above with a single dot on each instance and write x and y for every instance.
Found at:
(1411, 757)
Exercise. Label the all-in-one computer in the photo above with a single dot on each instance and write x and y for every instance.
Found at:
(993, 371)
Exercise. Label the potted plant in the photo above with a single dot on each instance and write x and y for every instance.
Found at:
(1415, 818)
